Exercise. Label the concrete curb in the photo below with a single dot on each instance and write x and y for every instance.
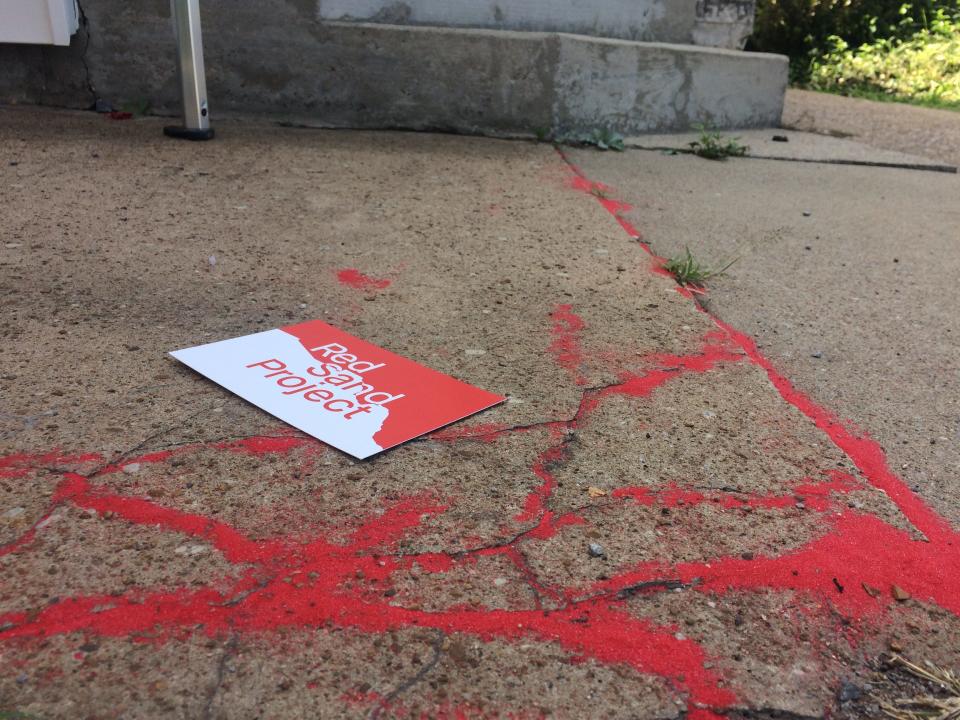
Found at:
(501, 82)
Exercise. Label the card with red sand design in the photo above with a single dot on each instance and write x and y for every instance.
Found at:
(349, 393)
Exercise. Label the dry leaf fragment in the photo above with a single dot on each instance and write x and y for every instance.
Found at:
(596, 492)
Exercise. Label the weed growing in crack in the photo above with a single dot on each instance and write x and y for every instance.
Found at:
(714, 146)
(137, 108)
(687, 270)
(600, 138)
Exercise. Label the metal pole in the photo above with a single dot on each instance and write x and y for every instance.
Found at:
(193, 82)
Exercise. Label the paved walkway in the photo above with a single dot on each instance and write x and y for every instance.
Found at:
(656, 525)
(934, 134)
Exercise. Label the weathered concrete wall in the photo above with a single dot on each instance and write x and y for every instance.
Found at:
(644, 86)
(274, 57)
(713, 23)
(648, 20)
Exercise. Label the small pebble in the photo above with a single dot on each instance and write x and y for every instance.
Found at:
(848, 691)
(131, 468)
(817, 355)
(807, 213)
(595, 550)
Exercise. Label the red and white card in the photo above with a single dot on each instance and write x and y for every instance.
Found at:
(349, 393)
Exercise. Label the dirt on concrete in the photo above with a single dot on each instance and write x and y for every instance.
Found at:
(655, 525)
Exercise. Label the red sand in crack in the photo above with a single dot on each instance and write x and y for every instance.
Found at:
(283, 583)
(352, 277)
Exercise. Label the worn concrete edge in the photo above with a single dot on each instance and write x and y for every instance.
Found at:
(542, 35)
(560, 82)
(929, 167)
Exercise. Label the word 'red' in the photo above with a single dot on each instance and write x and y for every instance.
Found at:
(345, 372)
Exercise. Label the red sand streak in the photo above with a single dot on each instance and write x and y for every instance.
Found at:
(235, 547)
(352, 277)
(815, 495)
(865, 453)
(22, 464)
(565, 346)
(601, 192)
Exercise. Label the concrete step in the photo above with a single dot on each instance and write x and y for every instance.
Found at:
(494, 81)
(712, 23)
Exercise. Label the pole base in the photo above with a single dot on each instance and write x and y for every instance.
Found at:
(185, 133)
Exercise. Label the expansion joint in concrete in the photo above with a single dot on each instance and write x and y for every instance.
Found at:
(87, 76)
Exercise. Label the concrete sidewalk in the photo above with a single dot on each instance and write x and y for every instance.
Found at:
(655, 525)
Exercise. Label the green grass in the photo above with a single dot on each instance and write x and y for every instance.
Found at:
(714, 146)
(687, 270)
(923, 69)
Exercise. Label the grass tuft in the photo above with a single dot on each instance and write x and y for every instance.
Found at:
(714, 146)
(687, 270)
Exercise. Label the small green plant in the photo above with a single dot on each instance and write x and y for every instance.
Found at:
(542, 134)
(687, 270)
(714, 146)
(600, 138)
(137, 108)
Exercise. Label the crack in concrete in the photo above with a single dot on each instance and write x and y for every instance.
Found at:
(228, 651)
(927, 167)
(127, 454)
(88, 78)
(384, 704)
